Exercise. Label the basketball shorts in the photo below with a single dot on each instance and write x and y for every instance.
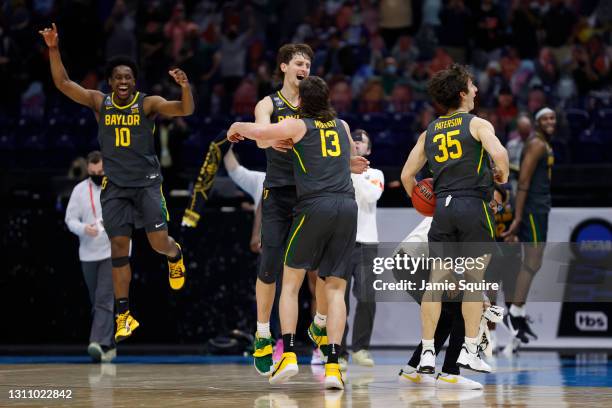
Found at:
(126, 208)
(322, 235)
(533, 227)
(277, 215)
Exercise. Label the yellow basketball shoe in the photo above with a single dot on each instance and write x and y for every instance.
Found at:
(176, 272)
(283, 370)
(262, 355)
(126, 324)
(333, 377)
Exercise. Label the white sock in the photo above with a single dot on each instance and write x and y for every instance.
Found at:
(518, 311)
(472, 344)
(428, 345)
(320, 320)
(263, 329)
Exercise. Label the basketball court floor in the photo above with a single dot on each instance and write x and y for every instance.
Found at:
(532, 379)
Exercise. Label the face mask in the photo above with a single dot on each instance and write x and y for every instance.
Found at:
(97, 179)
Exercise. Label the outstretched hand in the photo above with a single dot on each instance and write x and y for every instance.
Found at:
(179, 76)
(50, 36)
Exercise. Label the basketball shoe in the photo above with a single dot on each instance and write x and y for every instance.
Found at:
(333, 377)
(458, 382)
(262, 355)
(126, 324)
(472, 361)
(286, 368)
(428, 361)
(410, 376)
(176, 272)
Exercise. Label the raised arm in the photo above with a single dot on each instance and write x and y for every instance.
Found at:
(416, 161)
(483, 131)
(87, 97)
(184, 107)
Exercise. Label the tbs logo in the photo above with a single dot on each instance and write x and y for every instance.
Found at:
(591, 321)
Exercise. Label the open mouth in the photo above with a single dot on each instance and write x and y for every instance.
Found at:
(123, 90)
(300, 77)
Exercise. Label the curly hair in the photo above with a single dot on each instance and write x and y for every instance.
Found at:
(286, 53)
(314, 100)
(120, 60)
(445, 86)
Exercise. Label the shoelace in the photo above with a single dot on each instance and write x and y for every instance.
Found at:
(122, 319)
(175, 270)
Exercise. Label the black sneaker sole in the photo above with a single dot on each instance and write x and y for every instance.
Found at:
(426, 370)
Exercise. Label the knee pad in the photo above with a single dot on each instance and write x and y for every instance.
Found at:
(271, 264)
(120, 261)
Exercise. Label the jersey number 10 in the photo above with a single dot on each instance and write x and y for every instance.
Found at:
(335, 143)
(445, 143)
(122, 137)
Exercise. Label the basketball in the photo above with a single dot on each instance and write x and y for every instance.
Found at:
(423, 197)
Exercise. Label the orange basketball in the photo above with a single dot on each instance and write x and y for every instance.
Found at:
(423, 197)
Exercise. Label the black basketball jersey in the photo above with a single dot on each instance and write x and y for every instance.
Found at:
(126, 139)
(322, 160)
(458, 162)
(279, 165)
(538, 196)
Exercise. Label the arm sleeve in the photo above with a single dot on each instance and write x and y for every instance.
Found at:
(73, 215)
(248, 180)
(370, 189)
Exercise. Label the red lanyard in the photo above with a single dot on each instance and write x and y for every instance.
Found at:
(91, 199)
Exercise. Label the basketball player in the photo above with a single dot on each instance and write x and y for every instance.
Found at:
(533, 201)
(131, 192)
(454, 145)
(324, 228)
(279, 200)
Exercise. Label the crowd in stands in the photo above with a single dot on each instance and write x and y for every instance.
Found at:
(377, 57)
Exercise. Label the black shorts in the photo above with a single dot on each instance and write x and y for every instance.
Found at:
(534, 228)
(126, 208)
(277, 206)
(323, 235)
(465, 219)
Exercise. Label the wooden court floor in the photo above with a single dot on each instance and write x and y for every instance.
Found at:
(539, 383)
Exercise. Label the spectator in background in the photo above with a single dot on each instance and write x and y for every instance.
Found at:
(536, 100)
(547, 69)
(401, 98)
(152, 40)
(417, 79)
(389, 75)
(176, 30)
(489, 33)
(84, 219)
(396, 19)
(404, 52)
(233, 57)
(341, 96)
(245, 98)
(506, 109)
(440, 61)
(455, 29)
(558, 23)
(516, 141)
(490, 82)
(263, 80)
(78, 169)
(509, 63)
(119, 30)
(524, 24)
(372, 97)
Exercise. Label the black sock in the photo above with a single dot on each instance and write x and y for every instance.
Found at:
(289, 343)
(334, 350)
(178, 256)
(122, 305)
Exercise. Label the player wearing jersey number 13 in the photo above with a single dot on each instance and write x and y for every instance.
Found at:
(457, 147)
(131, 192)
(325, 224)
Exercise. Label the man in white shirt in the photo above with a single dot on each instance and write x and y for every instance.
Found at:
(369, 187)
(84, 219)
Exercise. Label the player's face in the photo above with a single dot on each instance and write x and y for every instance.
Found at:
(297, 69)
(122, 82)
(471, 95)
(548, 123)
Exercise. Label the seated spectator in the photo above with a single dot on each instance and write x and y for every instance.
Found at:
(372, 97)
(245, 98)
(417, 79)
(401, 98)
(389, 75)
(341, 96)
(509, 63)
(404, 52)
(440, 61)
(547, 68)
